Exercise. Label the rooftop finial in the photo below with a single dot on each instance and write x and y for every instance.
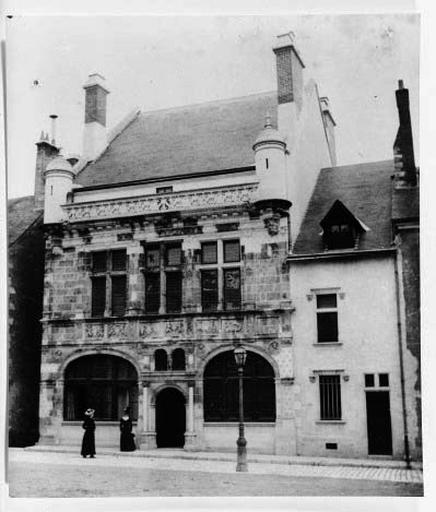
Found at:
(400, 84)
(268, 120)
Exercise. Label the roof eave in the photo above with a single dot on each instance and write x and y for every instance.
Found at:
(335, 255)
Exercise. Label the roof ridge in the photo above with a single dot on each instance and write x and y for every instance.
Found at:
(206, 103)
(360, 164)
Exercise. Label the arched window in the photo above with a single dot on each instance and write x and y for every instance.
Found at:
(105, 383)
(178, 359)
(160, 360)
(221, 390)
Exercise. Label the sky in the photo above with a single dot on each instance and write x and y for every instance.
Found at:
(154, 62)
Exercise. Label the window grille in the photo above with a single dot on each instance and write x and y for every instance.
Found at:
(327, 318)
(330, 397)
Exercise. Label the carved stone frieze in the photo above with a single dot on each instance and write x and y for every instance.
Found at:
(117, 330)
(174, 328)
(207, 327)
(230, 195)
(232, 326)
(94, 331)
(148, 330)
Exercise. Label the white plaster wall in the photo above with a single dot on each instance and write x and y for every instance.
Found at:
(309, 153)
(57, 186)
(367, 324)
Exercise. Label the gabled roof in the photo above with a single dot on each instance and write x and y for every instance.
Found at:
(185, 140)
(21, 215)
(366, 190)
(339, 211)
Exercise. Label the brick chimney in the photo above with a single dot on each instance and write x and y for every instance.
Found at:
(46, 151)
(404, 158)
(95, 136)
(289, 81)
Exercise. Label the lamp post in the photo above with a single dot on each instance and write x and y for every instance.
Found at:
(240, 356)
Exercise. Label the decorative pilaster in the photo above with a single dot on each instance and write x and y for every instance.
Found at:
(135, 293)
(190, 434)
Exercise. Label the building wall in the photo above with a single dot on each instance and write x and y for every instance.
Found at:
(262, 324)
(26, 271)
(410, 289)
(367, 324)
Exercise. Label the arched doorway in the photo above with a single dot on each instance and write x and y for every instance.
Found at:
(170, 419)
(103, 382)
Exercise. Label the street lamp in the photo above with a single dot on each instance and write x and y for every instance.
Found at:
(240, 356)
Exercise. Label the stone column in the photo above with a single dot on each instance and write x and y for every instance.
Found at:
(190, 434)
(148, 434)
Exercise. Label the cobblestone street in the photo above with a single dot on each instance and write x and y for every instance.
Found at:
(44, 474)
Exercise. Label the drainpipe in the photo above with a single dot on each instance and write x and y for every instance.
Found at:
(398, 290)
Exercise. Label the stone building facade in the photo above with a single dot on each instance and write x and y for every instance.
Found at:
(186, 232)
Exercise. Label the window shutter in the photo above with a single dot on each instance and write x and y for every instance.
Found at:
(118, 295)
(98, 295)
(173, 292)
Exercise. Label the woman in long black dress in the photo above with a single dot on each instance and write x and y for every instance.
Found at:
(88, 442)
(127, 442)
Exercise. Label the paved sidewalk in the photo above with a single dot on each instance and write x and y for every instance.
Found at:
(179, 460)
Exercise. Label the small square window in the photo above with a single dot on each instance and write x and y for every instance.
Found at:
(173, 255)
(119, 260)
(383, 380)
(209, 252)
(232, 251)
(369, 380)
(164, 190)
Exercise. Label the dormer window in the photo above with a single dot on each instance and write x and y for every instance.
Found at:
(341, 229)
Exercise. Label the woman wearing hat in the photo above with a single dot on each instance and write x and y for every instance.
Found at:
(88, 442)
(127, 442)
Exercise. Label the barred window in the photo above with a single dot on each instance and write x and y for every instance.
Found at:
(327, 317)
(209, 252)
(330, 397)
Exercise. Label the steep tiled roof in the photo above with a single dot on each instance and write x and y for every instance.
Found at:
(21, 215)
(206, 137)
(365, 189)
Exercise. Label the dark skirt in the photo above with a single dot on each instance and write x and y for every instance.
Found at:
(127, 442)
(88, 443)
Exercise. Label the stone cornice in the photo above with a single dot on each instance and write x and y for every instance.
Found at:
(161, 203)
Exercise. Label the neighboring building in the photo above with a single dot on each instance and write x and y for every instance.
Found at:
(169, 242)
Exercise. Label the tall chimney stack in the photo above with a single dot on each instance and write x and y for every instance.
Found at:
(95, 136)
(46, 151)
(289, 82)
(404, 158)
